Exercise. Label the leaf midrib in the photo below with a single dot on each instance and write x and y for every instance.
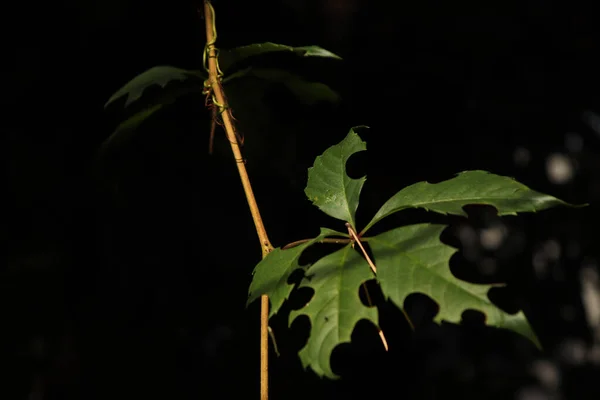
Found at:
(475, 198)
(346, 180)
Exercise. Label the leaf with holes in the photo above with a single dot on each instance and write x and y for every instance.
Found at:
(329, 186)
(412, 259)
(271, 275)
(507, 195)
(160, 75)
(335, 307)
(229, 58)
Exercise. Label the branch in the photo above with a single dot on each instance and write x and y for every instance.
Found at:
(356, 239)
(325, 240)
(213, 86)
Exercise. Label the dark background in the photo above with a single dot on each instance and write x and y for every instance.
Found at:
(129, 280)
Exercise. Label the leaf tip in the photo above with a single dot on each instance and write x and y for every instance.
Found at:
(578, 205)
(317, 51)
(112, 99)
(251, 298)
(357, 128)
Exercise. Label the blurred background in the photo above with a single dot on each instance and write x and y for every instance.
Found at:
(128, 278)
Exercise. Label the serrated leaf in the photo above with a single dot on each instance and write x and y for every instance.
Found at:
(412, 259)
(160, 75)
(228, 58)
(335, 307)
(271, 274)
(507, 195)
(329, 186)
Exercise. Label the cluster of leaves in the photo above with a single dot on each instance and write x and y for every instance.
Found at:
(408, 259)
(174, 83)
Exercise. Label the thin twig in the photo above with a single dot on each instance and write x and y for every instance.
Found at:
(272, 334)
(219, 100)
(356, 239)
(354, 236)
(383, 340)
(213, 126)
(325, 240)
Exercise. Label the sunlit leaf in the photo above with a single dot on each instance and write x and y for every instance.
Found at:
(412, 259)
(335, 307)
(507, 195)
(271, 275)
(329, 186)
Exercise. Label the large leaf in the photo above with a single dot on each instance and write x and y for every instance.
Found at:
(412, 259)
(228, 58)
(335, 307)
(329, 186)
(160, 75)
(272, 273)
(470, 187)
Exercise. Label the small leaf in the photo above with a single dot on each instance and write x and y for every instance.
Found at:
(329, 187)
(335, 307)
(412, 259)
(507, 195)
(160, 75)
(228, 58)
(272, 272)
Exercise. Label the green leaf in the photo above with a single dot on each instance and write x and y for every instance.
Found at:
(470, 187)
(329, 187)
(228, 58)
(160, 75)
(412, 259)
(127, 128)
(335, 307)
(272, 272)
(306, 92)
